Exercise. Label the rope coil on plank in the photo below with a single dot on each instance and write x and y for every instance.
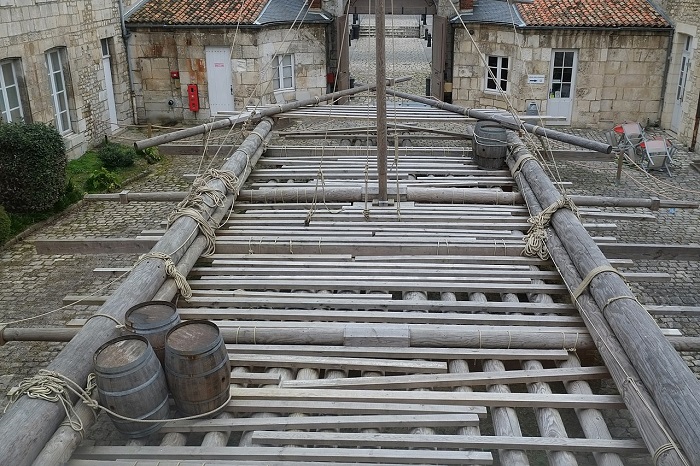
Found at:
(537, 234)
(172, 272)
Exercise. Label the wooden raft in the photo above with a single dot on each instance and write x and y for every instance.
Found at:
(401, 334)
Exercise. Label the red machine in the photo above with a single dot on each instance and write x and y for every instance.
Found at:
(193, 97)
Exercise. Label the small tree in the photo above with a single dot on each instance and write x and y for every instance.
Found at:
(32, 167)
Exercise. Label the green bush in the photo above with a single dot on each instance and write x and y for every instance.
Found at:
(32, 167)
(150, 155)
(116, 156)
(5, 224)
(70, 196)
(102, 180)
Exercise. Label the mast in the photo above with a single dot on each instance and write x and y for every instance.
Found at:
(381, 102)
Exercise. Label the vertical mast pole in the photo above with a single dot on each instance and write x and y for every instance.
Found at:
(381, 100)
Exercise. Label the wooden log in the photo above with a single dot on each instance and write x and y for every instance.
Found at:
(21, 438)
(652, 426)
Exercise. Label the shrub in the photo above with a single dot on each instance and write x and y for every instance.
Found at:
(4, 226)
(102, 180)
(116, 156)
(151, 155)
(71, 195)
(32, 167)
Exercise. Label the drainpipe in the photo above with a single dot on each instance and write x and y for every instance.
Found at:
(667, 66)
(694, 139)
(130, 71)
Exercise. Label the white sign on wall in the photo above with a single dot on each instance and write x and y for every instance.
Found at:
(535, 79)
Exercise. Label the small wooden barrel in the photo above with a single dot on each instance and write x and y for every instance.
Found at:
(197, 367)
(153, 320)
(490, 147)
(131, 382)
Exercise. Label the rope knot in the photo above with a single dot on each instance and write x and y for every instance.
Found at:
(537, 234)
(171, 271)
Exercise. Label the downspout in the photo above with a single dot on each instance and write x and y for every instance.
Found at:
(664, 82)
(691, 148)
(130, 72)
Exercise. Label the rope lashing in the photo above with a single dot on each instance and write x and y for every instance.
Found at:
(57, 388)
(521, 161)
(171, 271)
(590, 276)
(207, 230)
(537, 234)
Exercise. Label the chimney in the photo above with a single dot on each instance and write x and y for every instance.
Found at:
(466, 4)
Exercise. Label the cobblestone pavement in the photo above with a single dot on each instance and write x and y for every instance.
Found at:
(33, 284)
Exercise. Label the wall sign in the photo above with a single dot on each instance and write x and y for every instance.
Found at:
(535, 79)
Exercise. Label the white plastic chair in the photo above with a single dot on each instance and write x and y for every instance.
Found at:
(656, 155)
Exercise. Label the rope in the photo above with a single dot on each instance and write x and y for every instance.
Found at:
(517, 166)
(591, 275)
(172, 272)
(663, 449)
(537, 235)
(118, 326)
(57, 388)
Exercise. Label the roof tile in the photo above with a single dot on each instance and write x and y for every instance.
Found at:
(199, 12)
(591, 13)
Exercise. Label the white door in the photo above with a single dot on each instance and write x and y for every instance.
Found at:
(562, 81)
(109, 87)
(680, 89)
(219, 79)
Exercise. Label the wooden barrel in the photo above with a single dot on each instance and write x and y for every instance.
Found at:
(131, 382)
(153, 320)
(197, 367)
(489, 147)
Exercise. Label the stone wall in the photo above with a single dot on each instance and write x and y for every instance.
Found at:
(156, 52)
(29, 28)
(620, 73)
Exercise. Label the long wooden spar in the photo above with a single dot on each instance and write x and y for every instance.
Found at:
(255, 116)
(507, 122)
(29, 423)
(673, 387)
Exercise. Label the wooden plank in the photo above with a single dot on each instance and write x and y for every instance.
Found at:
(389, 365)
(406, 353)
(469, 379)
(384, 440)
(522, 400)
(321, 422)
(369, 285)
(359, 455)
(93, 245)
(335, 408)
(640, 251)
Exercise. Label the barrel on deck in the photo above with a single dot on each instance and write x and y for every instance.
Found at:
(489, 147)
(131, 382)
(153, 320)
(197, 367)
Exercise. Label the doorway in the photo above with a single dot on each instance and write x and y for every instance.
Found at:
(219, 79)
(682, 81)
(562, 79)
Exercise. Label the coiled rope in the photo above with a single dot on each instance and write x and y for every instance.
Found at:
(535, 240)
(171, 271)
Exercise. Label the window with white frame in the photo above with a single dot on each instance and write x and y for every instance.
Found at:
(10, 95)
(283, 78)
(497, 73)
(55, 62)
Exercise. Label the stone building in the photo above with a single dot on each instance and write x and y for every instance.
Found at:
(681, 109)
(591, 63)
(192, 59)
(64, 63)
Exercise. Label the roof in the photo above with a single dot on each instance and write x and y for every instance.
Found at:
(492, 11)
(221, 12)
(592, 13)
(284, 11)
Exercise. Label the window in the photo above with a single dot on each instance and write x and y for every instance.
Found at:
(10, 96)
(55, 62)
(498, 69)
(283, 72)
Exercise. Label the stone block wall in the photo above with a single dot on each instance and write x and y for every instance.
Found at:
(619, 76)
(155, 52)
(29, 28)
